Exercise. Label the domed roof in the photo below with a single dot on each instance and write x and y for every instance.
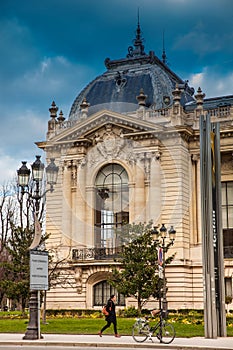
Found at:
(117, 89)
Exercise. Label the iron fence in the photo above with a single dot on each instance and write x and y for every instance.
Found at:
(96, 253)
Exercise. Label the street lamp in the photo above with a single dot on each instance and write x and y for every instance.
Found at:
(160, 239)
(37, 175)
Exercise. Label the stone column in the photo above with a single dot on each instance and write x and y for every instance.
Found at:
(80, 205)
(66, 226)
(131, 202)
(194, 212)
(90, 203)
(147, 172)
(155, 189)
(139, 199)
(73, 188)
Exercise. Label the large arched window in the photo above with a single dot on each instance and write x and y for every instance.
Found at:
(102, 292)
(112, 205)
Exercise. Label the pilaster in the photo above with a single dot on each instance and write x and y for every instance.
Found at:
(66, 226)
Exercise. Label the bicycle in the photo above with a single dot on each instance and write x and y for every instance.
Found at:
(162, 330)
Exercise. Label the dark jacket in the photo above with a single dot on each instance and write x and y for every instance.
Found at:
(110, 307)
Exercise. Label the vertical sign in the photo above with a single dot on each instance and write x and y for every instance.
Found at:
(214, 214)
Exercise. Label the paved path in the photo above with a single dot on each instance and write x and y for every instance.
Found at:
(196, 343)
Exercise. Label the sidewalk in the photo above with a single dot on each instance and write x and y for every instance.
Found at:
(110, 341)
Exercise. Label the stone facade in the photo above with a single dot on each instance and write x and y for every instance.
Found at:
(163, 166)
(159, 150)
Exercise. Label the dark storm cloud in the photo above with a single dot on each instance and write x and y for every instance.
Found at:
(51, 49)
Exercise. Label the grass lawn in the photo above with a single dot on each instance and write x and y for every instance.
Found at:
(89, 326)
(185, 326)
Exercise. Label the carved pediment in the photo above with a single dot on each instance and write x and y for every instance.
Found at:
(83, 131)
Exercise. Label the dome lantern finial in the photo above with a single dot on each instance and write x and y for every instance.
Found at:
(138, 49)
(164, 56)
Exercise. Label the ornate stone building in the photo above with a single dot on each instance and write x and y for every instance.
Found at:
(129, 152)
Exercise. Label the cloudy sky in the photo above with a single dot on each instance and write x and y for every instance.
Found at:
(51, 49)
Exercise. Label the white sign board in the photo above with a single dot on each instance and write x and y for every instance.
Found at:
(160, 271)
(39, 270)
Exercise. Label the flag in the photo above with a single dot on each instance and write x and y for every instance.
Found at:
(37, 234)
(160, 256)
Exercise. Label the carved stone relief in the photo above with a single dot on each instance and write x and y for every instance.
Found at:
(145, 158)
(110, 145)
(72, 165)
(78, 278)
(195, 157)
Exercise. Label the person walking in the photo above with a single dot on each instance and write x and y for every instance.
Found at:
(111, 317)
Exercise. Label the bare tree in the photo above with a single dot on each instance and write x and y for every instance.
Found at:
(17, 231)
(7, 214)
(16, 235)
(58, 271)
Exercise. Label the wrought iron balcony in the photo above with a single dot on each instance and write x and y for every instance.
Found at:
(84, 254)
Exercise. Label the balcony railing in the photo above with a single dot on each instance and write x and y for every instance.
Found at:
(96, 253)
(220, 111)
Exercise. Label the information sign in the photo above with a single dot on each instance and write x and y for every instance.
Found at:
(38, 270)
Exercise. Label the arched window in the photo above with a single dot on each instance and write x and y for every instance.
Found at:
(112, 205)
(102, 292)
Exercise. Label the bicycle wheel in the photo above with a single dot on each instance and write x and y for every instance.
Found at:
(140, 332)
(167, 333)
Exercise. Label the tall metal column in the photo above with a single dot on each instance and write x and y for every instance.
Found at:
(212, 246)
(218, 247)
(207, 224)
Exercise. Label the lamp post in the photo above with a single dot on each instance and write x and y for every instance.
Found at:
(35, 194)
(160, 239)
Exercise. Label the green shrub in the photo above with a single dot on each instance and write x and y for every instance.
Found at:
(131, 311)
(72, 312)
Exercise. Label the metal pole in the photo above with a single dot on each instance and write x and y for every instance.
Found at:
(38, 297)
(32, 328)
(207, 230)
(33, 331)
(219, 260)
(164, 281)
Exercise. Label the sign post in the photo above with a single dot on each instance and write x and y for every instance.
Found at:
(38, 276)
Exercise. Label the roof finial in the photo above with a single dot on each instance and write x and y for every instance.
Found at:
(138, 23)
(138, 49)
(164, 56)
